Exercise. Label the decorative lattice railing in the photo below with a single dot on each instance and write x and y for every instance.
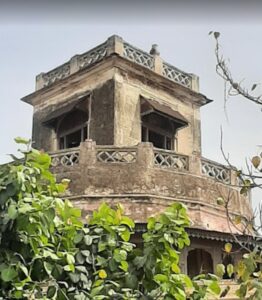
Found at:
(216, 171)
(65, 158)
(116, 155)
(56, 74)
(170, 159)
(114, 45)
(138, 56)
(92, 56)
(176, 75)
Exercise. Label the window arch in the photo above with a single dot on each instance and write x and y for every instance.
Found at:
(199, 261)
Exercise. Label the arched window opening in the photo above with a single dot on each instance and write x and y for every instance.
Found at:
(199, 261)
(72, 129)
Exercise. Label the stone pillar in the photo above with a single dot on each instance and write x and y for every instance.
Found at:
(115, 45)
(39, 81)
(87, 153)
(145, 155)
(233, 177)
(195, 164)
(195, 82)
(158, 64)
(217, 257)
(74, 67)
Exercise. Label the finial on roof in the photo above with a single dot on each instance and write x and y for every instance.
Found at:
(154, 50)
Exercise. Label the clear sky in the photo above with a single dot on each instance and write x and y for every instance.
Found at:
(36, 36)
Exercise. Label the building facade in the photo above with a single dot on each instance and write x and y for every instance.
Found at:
(125, 127)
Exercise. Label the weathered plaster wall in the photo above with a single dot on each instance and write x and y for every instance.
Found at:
(102, 114)
(127, 113)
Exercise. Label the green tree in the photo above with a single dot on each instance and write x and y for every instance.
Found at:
(48, 252)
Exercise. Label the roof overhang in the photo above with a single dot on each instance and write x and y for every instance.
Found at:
(65, 109)
(149, 106)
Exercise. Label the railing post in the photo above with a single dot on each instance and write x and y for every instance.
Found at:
(87, 153)
(39, 81)
(233, 177)
(158, 64)
(115, 45)
(74, 66)
(195, 165)
(194, 82)
(145, 154)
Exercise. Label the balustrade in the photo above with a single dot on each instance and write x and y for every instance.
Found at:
(78, 62)
(64, 158)
(138, 56)
(92, 56)
(170, 159)
(162, 158)
(116, 155)
(176, 75)
(216, 171)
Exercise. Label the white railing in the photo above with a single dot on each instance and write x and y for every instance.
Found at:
(170, 159)
(176, 75)
(216, 171)
(92, 56)
(116, 155)
(138, 56)
(65, 158)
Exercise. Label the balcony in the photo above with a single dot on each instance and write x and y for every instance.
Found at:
(146, 180)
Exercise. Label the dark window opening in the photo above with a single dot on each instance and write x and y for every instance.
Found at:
(199, 261)
(160, 124)
(73, 139)
(159, 140)
(72, 129)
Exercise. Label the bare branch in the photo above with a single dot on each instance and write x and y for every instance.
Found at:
(235, 88)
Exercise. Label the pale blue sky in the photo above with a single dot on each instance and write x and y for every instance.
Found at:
(35, 39)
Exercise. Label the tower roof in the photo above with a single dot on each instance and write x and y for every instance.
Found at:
(116, 46)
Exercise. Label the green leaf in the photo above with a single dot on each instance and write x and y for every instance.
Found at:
(228, 247)
(88, 240)
(230, 270)
(214, 287)
(51, 292)
(175, 268)
(220, 270)
(220, 201)
(20, 140)
(161, 278)
(48, 267)
(125, 236)
(256, 161)
(74, 277)
(8, 274)
(12, 211)
(124, 265)
(102, 274)
(70, 259)
(127, 221)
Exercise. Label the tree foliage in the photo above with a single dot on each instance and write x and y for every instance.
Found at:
(248, 271)
(48, 252)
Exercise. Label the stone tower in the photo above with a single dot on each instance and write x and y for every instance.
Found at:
(124, 126)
